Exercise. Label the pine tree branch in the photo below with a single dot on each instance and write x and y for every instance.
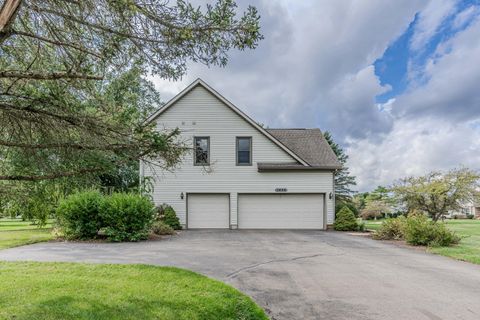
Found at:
(47, 76)
(55, 42)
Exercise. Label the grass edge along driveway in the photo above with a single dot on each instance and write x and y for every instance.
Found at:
(467, 250)
(15, 232)
(38, 290)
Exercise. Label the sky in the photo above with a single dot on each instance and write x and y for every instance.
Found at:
(397, 83)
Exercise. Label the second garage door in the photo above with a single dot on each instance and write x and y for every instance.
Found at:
(280, 211)
(208, 211)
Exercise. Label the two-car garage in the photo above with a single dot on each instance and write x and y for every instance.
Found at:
(257, 211)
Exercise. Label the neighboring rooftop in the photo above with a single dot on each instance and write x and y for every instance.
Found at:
(308, 144)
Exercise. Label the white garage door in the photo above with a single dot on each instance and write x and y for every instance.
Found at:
(280, 211)
(208, 211)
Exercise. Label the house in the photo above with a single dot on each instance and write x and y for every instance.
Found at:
(468, 209)
(239, 174)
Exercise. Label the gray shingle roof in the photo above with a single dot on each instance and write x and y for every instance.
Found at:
(308, 144)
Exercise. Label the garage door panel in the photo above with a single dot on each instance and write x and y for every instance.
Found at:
(208, 211)
(275, 211)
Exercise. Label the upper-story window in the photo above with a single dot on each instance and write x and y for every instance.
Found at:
(201, 151)
(244, 151)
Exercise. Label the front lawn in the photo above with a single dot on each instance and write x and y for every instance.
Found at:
(467, 250)
(15, 232)
(372, 224)
(469, 247)
(85, 291)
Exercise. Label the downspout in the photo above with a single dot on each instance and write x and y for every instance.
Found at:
(140, 178)
(333, 192)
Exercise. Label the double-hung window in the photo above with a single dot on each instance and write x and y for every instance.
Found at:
(244, 151)
(201, 151)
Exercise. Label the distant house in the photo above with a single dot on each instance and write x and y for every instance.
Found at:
(467, 210)
(239, 174)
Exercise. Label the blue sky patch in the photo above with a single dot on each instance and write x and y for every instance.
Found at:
(393, 67)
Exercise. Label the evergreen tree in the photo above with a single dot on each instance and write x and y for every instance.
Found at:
(343, 179)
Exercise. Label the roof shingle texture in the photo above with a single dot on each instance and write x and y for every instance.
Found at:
(308, 144)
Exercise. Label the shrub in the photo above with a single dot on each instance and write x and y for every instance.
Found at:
(170, 218)
(340, 204)
(391, 229)
(421, 231)
(127, 216)
(161, 228)
(361, 226)
(345, 220)
(78, 215)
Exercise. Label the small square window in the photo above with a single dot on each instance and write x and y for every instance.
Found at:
(201, 151)
(244, 151)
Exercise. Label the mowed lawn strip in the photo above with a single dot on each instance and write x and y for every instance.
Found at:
(33, 290)
(469, 247)
(15, 232)
(467, 250)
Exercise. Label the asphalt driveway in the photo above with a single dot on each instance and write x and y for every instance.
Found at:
(301, 274)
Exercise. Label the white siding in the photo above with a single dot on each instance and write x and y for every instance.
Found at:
(199, 113)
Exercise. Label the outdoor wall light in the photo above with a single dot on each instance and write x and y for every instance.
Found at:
(181, 195)
(330, 196)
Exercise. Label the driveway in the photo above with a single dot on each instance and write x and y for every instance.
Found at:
(301, 274)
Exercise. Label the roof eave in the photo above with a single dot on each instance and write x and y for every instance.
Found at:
(297, 168)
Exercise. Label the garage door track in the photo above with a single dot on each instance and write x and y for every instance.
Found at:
(301, 274)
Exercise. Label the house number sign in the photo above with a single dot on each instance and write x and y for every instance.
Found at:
(281, 190)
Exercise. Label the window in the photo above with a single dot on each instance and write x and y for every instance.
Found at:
(202, 151)
(244, 151)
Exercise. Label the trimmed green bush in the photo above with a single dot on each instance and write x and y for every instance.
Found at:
(127, 216)
(419, 231)
(350, 205)
(391, 229)
(78, 215)
(161, 228)
(345, 220)
(170, 218)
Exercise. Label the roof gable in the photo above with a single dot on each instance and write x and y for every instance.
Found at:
(227, 103)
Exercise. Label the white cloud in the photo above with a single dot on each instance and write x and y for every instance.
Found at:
(413, 147)
(464, 17)
(436, 125)
(452, 77)
(430, 20)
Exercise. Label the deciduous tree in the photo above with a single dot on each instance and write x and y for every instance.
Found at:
(438, 192)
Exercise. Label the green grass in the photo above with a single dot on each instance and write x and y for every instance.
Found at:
(84, 291)
(467, 250)
(15, 232)
(469, 247)
(372, 224)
